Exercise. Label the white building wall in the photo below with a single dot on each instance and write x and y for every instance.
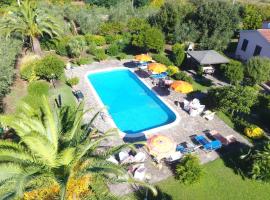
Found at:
(254, 38)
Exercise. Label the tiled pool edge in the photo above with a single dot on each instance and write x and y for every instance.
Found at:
(147, 133)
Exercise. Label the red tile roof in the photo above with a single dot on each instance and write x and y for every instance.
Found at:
(265, 33)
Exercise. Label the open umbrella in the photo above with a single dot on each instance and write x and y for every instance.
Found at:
(157, 68)
(182, 86)
(143, 58)
(160, 146)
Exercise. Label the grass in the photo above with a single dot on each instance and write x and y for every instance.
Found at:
(199, 87)
(66, 94)
(225, 118)
(219, 182)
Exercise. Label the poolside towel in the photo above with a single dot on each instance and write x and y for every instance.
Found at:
(207, 145)
(159, 76)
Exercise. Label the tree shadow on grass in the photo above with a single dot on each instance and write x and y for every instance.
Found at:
(141, 194)
(231, 156)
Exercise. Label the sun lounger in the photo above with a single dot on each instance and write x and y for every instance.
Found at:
(185, 148)
(140, 173)
(174, 157)
(207, 145)
(209, 115)
(224, 140)
(159, 76)
(112, 159)
(140, 157)
(123, 155)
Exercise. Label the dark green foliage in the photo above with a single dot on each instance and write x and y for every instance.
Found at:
(140, 3)
(183, 77)
(105, 3)
(233, 72)
(178, 54)
(9, 50)
(232, 99)
(261, 163)
(189, 170)
(113, 50)
(51, 66)
(162, 58)
(61, 45)
(100, 54)
(258, 69)
(263, 109)
(168, 17)
(216, 22)
(76, 46)
(73, 81)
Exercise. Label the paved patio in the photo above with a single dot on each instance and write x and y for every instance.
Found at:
(179, 133)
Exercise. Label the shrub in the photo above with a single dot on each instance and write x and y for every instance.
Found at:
(113, 50)
(178, 54)
(96, 39)
(183, 77)
(154, 40)
(38, 88)
(73, 81)
(113, 38)
(76, 46)
(200, 71)
(92, 48)
(258, 69)
(100, 54)
(9, 50)
(121, 56)
(61, 45)
(111, 28)
(189, 170)
(163, 59)
(27, 69)
(233, 72)
(240, 123)
(254, 132)
(51, 66)
(172, 70)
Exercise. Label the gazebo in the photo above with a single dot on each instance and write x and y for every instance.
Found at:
(207, 59)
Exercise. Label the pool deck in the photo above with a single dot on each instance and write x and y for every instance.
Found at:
(180, 132)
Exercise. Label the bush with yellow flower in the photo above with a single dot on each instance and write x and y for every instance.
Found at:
(254, 132)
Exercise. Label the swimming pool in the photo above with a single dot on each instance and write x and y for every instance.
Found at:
(133, 107)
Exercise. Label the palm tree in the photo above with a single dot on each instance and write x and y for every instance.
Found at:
(55, 145)
(30, 22)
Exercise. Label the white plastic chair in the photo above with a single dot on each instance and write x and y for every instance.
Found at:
(186, 105)
(123, 155)
(140, 157)
(140, 172)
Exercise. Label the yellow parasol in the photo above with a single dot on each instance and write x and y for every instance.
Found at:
(182, 86)
(157, 68)
(143, 58)
(160, 146)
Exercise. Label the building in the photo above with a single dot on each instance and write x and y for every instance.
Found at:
(254, 43)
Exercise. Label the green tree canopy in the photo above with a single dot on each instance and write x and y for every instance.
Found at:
(252, 18)
(233, 72)
(232, 99)
(258, 69)
(178, 54)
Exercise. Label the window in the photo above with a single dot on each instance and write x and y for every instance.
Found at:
(244, 45)
(257, 50)
(268, 25)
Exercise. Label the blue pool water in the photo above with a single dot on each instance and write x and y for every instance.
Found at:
(132, 105)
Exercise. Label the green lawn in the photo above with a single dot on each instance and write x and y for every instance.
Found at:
(198, 86)
(66, 95)
(218, 183)
(225, 118)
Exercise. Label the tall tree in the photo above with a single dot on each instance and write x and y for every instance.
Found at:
(30, 22)
(55, 145)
